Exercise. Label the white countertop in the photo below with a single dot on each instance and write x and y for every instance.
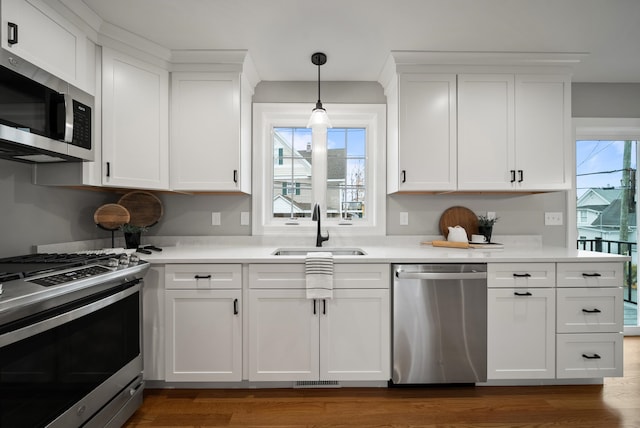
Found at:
(380, 249)
(385, 250)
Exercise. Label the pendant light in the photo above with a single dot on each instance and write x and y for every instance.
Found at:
(319, 119)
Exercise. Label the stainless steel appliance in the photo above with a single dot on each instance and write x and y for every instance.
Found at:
(42, 118)
(439, 323)
(70, 340)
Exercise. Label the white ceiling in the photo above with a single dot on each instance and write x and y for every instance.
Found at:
(357, 35)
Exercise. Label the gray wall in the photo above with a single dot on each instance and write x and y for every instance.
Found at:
(40, 215)
(33, 215)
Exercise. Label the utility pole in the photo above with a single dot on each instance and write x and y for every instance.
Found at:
(626, 192)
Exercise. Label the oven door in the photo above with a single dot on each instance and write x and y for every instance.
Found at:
(61, 366)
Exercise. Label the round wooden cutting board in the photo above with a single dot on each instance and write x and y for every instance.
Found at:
(459, 216)
(145, 208)
(111, 216)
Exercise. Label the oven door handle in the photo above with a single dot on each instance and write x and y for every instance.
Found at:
(57, 320)
(440, 275)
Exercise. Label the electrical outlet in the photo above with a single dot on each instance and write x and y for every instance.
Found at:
(404, 218)
(244, 218)
(215, 219)
(553, 219)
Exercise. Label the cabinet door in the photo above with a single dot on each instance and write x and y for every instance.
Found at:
(590, 355)
(486, 155)
(355, 335)
(45, 39)
(543, 137)
(205, 131)
(521, 333)
(283, 335)
(203, 335)
(427, 132)
(135, 122)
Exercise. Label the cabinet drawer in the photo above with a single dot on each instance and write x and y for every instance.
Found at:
(590, 274)
(357, 275)
(203, 276)
(526, 275)
(589, 355)
(590, 310)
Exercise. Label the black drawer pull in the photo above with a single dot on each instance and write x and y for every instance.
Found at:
(591, 311)
(235, 306)
(314, 306)
(202, 277)
(591, 357)
(591, 275)
(404, 176)
(513, 176)
(12, 38)
(235, 175)
(516, 293)
(522, 275)
(521, 176)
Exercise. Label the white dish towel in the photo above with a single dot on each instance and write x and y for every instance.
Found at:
(319, 275)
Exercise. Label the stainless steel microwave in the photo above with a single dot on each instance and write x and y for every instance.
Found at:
(42, 118)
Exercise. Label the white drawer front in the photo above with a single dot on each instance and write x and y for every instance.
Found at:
(526, 275)
(203, 276)
(590, 310)
(609, 274)
(589, 355)
(345, 275)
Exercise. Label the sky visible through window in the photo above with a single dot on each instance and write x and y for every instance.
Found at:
(599, 164)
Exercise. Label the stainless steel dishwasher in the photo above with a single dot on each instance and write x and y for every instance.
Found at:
(439, 323)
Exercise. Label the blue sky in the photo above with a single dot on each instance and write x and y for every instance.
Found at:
(600, 156)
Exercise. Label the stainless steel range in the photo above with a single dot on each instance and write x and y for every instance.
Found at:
(70, 339)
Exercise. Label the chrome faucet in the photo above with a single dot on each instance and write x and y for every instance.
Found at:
(316, 217)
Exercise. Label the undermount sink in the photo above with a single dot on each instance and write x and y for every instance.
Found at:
(304, 251)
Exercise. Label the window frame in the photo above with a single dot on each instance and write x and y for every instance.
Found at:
(267, 116)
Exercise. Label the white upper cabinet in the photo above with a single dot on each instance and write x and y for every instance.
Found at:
(207, 151)
(486, 126)
(486, 138)
(422, 133)
(543, 135)
(135, 104)
(35, 32)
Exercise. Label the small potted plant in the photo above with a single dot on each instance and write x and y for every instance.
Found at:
(132, 234)
(485, 226)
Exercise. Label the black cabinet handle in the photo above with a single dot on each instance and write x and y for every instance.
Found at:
(235, 307)
(235, 175)
(404, 176)
(517, 293)
(522, 275)
(12, 37)
(592, 311)
(314, 306)
(591, 275)
(202, 277)
(108, 169)
(513, 176)
(520, 176)
(591, 357)
(324, 306)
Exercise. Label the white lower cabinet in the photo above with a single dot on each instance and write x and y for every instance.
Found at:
(521, 322)
(203, 323)
(292, 338)
(521, 333)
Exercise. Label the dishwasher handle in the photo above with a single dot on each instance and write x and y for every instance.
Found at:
(440, 275)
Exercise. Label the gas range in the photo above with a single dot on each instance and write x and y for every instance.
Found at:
(33, 282)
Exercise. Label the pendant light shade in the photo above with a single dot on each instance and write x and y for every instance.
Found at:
(319, 119)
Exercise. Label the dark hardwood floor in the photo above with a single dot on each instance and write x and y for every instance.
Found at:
(614, 404)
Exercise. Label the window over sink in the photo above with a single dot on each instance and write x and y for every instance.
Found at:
(293, 170)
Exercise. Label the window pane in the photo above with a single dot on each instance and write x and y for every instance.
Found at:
(346, 163)
(291, 172)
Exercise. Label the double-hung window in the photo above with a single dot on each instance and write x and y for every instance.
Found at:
(342, 170)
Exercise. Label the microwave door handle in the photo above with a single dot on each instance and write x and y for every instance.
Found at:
(68, 118)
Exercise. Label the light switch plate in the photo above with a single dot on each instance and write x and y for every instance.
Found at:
(215, 219)
(244, 218)
(404, 218)
(553, 219)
